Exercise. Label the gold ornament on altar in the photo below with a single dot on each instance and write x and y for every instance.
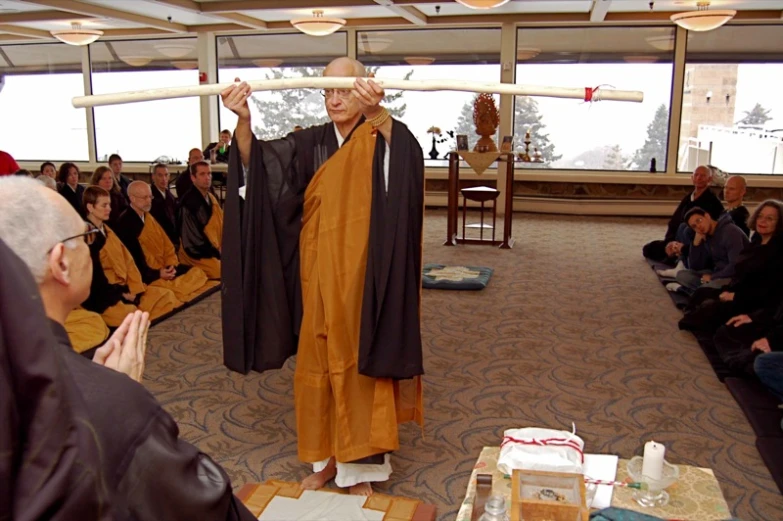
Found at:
(486, 117)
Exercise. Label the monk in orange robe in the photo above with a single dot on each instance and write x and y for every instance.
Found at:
(201, 223)
(152, 250)
(117, 287)
(325, 252)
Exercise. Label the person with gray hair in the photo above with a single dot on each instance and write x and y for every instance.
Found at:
(47, 181)
(149, 472)
(338, 205)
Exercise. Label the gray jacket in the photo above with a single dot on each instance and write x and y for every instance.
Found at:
(720, 251)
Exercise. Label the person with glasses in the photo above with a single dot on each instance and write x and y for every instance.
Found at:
(137, 467)
(118, 288)
(323, 258)
(152, 250)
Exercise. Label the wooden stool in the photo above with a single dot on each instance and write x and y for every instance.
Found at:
(480, 194)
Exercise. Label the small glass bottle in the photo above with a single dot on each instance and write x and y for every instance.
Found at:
(495, 510)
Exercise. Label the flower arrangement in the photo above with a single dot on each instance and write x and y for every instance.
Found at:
(437, 138)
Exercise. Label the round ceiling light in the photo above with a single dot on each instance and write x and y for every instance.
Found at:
(703, 19)
(527, 53)
(185, 64)
(172, 50)
(482, 4)
(318, 25)
(419, 60)
(76, 35)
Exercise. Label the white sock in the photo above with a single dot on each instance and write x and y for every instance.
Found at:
(673, 271)
(673, 286)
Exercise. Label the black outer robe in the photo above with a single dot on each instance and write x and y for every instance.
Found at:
(50, 461)
(194, 215)
(103, 294)
(164, 210)
(262, 301)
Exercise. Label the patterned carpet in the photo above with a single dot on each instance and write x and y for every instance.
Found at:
(574, 327)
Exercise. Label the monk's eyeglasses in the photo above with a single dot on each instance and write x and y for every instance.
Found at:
(89, 236)
(342, 94)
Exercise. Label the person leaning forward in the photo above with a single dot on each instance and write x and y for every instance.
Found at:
(323, 256)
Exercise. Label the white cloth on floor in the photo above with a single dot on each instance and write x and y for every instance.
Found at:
(314, 505)
(350, 474)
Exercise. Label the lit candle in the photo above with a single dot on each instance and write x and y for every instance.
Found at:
(652, 465)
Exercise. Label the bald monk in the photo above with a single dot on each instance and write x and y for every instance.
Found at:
(117, 287)
(201, 223)
(324, 256)
(85, 329)
(733, 193)
(152, 250)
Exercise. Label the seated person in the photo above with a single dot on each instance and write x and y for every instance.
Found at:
(23, 172)
(757, 281)
(744, 337)
(115, 163)
(48, 182)
(201, 224)
(137, 467)
(117, 288)
(218, 152)
(85, 329)
(769, 370)
(164, 204)
(701, 196)
(8, 164)
(713, 252)
(104, 178)
(733, 193)
(184, 182)
(48, 169)
(69, 187)
(152, 250)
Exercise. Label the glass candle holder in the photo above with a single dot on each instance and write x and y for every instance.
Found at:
(654, 493)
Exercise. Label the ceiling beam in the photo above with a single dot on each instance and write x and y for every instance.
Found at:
(258, 5)
(196, 7)
(40, 16)
(599, 9)
(244, 20)
(410, 13)
(24, 31)
(105, 12)
(12, 38)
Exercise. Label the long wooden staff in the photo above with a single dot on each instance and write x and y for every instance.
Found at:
(586, 93)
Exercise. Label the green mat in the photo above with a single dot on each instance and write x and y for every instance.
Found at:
(439, 276)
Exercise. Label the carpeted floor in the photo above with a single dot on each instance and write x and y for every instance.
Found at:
(574, 327)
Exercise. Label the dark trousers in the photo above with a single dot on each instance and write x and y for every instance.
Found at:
(656, 251)
(733, 346)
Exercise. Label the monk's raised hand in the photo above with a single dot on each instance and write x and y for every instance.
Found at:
(369, 95)
(235, 98)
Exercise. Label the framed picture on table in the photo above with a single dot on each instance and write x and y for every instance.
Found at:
(508, 144)
(462, 142)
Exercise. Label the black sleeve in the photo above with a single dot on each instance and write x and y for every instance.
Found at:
(148, 275)
(676, 219)
(171, 479)
(710, 203)
(103, 295)
(194, 242)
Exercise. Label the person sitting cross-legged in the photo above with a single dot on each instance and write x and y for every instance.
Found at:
(713, 252)
(152, 250)
(201, 223)
(118, 288)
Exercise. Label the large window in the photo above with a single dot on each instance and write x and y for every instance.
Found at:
(151, 130)
(37, 83)
(274, 56)
(732, 109)
(607, 135)
(457, 54)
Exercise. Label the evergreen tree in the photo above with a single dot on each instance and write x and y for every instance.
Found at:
(614, 159)
(304, 107)
(526, 116)
(757, 116)
(655, 144)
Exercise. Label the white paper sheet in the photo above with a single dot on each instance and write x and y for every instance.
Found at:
(319, 506)
(603, 467)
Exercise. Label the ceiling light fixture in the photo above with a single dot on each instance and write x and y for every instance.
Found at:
(267, 62)
(185, 64)
(640, 58)
(76, 35)
(527, 53)
(372, 45)
(318, 25)
(702, 19)
(136, 61)
(419, 60)
(173, 50)
(482, 4)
